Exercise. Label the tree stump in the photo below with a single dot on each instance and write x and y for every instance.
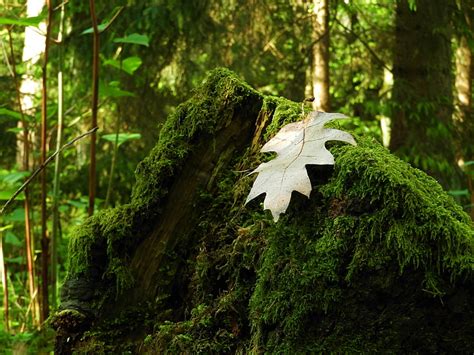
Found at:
(379, 259)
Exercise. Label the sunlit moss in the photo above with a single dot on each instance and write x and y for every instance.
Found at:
(377, 251)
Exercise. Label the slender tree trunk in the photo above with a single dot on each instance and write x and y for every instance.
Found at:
(44, 125)
(95, 99)
(57, 166)
(3, 272)
(464, 76)
(25, 165)
(25, 90)
(320, 55)
(422, 129)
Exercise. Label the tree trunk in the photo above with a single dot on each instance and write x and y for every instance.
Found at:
(320, 55)
(422, 128)
(34, 46)
(464, 76)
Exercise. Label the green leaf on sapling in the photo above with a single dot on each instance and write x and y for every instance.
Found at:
(112, 89)
(15, 130)
(17, 215)
(6, 194)
(27, 21)
(14, 176)
(4, 228)
(128, 65)
(100, 28)
(13, 115)
(122, 137)
(106, 23)
(134, 38)
(12, 239)
(131, 64)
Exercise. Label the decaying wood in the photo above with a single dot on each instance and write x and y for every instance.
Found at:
(179, 215)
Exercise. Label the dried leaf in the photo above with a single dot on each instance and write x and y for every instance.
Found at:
(297, 145)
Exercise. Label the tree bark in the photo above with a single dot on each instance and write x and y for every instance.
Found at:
(33, 48)
(320, 55)
(422, 124)
(464, 75)
(94, 107)
(44, 215)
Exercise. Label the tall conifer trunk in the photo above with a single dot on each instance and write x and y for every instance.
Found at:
(464, 75)
(422, 127)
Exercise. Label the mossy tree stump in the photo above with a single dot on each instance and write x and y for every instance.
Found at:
(380, 258)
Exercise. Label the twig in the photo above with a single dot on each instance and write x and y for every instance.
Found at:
(119, 11)
(371, 51)
(61, 5)
(6, 59)
(42, 166)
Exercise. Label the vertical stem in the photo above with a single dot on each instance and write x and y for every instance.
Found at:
(57, 167)
(112, 165)
(44, 232)
(95, 99)
(115, 152)
(3, 271)
(26, 162)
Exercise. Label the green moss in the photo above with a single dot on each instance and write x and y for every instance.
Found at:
(357, 267)
(283, 112)
(379, 259)
(410, 212)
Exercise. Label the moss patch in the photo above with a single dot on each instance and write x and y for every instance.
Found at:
(370, 264)
(379, 259)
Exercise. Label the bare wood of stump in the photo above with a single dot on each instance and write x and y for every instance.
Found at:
(179, 209)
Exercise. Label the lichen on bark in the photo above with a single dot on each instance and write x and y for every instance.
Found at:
(380, 258)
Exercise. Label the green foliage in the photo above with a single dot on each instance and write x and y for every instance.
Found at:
(134, 38)
(128, 65)
(28, 21)
(121, 137)
(27, 342)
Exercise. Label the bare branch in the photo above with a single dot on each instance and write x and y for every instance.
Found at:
(365, 44)
(42, 166)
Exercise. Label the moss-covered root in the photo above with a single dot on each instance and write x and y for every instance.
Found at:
(69, 326)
